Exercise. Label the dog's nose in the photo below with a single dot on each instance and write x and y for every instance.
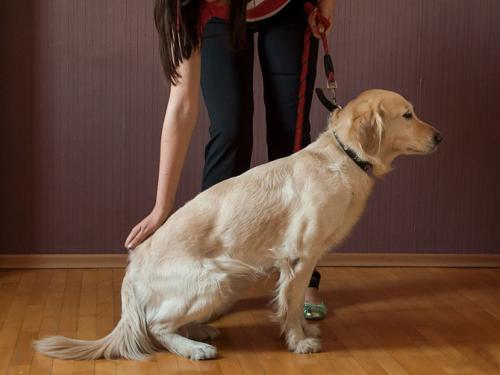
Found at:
(438, 138)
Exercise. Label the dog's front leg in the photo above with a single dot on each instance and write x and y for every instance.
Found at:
(292, 284)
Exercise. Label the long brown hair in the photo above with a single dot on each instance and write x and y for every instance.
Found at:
(179, 34)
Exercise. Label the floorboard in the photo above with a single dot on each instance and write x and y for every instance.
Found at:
(381, 321)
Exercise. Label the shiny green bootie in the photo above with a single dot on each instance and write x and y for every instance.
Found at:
(315, 311)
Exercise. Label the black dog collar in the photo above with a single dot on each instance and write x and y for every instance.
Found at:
(363, 164)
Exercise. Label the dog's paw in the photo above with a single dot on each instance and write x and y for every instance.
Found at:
(308, 345)
(200, 351)
(312, 330)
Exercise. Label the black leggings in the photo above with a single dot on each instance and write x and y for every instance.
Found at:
(227, 85)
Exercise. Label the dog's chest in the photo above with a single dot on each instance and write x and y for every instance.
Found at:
(346, 203)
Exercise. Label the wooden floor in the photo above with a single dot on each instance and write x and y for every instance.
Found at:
(381, 321)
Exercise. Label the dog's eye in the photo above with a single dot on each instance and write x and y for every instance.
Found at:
(408, 115)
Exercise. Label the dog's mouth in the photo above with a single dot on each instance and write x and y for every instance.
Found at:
(415, 151)
(428, 149)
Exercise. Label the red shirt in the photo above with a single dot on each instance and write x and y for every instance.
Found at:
(256, 10)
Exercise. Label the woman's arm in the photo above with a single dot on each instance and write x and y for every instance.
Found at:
(180, 119)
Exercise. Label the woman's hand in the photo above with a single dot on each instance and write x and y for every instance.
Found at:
(326, 9)
(146, 227)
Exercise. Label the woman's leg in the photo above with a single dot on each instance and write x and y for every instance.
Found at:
(280, 46)
(227, 86)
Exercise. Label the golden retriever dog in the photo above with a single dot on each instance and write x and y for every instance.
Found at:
(281, 216)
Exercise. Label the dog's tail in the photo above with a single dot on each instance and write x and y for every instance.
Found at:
(128, 340)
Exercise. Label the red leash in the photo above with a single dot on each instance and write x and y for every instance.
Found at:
(329, 71)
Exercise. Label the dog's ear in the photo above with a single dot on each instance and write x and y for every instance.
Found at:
(367, 129)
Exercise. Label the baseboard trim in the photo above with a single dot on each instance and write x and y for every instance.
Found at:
(410, 260)
(63, 261)
(332, 260)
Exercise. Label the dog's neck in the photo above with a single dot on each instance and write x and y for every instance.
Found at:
(363, 164)
(328, 145)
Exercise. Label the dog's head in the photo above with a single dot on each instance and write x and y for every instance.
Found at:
(381, 125)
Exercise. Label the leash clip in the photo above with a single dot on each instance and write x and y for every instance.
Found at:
(331, 86)
(331, 82)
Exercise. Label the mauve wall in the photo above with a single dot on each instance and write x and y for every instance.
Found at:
(83, 101)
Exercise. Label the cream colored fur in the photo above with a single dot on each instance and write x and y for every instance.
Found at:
(283, 216)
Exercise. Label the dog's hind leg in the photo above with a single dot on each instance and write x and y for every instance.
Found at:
(292, 283)
(181, 310)
(169, 325)
(183, 346)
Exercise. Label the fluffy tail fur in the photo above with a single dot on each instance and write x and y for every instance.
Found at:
(129, 339)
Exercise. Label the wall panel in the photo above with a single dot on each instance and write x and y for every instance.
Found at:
(83, 100)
